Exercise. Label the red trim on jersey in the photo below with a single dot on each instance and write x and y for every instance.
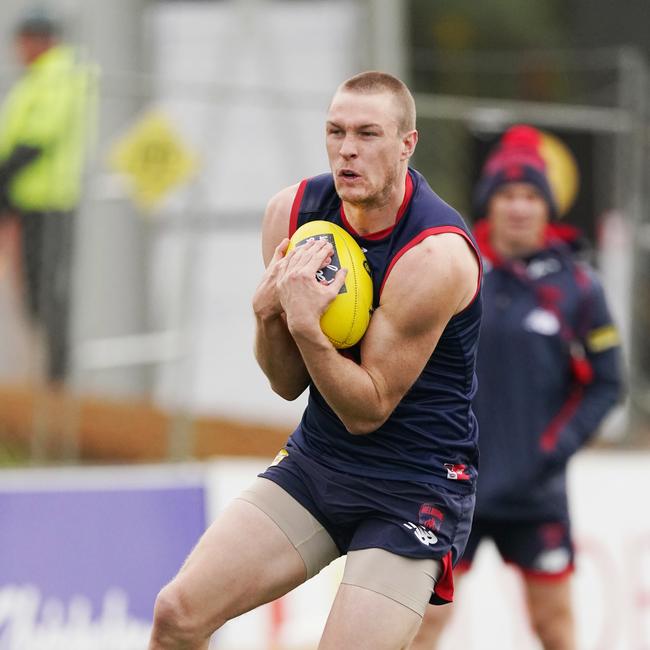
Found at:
(295, 207)
(582, 370)
(443, 591)
(548, 439)
(380, 234)
(437, 231)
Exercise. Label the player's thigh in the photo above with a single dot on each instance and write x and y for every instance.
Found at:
(549, 601)
(243, 560)
(435, 620)
(306, 534)
(380, 602)
(366, 620)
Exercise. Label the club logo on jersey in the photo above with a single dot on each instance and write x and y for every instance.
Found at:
(424, 535)
(280, 456)
(327, 273)
(430, 517)
(542, 321)
(457, 472)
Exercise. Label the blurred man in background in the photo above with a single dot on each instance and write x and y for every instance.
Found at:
(549, 371)
(43, 126)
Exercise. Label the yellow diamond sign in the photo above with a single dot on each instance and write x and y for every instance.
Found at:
(154, 158)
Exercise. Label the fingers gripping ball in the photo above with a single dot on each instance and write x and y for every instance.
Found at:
(346, 319)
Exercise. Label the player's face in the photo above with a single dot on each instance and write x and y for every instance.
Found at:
(365, 148)
(518, 216)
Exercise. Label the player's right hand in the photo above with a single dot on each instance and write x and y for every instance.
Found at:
(266, 301)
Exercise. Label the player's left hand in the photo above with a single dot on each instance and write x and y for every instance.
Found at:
(303, 296)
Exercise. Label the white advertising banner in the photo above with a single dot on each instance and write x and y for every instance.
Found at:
(83, 553)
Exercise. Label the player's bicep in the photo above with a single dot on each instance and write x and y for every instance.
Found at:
(426, 288)
(393, 356)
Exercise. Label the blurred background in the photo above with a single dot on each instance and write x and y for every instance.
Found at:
(194, 113)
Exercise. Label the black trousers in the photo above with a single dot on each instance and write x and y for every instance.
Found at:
(47, 248)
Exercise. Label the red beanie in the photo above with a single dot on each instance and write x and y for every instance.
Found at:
(517, 158)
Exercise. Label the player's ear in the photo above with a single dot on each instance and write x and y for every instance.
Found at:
(409, 140)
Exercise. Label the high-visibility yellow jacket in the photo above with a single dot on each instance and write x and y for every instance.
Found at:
(49, 108)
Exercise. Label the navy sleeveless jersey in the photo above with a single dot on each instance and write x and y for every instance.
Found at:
(432, 434)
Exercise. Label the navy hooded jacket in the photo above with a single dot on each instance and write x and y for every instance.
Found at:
(548, 367)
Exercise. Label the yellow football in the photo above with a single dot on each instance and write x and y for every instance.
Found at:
(346, 319)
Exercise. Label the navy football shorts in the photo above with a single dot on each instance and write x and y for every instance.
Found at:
(540, 549)
(411, 519)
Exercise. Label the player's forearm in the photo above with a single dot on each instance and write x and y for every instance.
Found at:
(601, 394)
(598, 400)
(279, 358)
(346, 386)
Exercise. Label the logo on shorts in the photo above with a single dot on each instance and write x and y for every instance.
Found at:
(430, 517)
(424, 535)
(280, 456)
(457, 472)
(553, 561)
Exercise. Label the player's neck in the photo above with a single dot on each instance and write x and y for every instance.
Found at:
(375, 217)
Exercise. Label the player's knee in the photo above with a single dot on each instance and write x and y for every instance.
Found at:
(174, 619)
(171, 615)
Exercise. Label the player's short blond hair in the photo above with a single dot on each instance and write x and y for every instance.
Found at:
(374, 81)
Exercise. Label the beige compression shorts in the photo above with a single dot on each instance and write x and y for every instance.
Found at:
(407, 581)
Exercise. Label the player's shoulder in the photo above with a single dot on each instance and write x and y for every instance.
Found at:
(277, 216)
(442, 265)
(278, 211)
(587, 269)
(281, 202)
(576, 266)
(587, 279)
(450, 251)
